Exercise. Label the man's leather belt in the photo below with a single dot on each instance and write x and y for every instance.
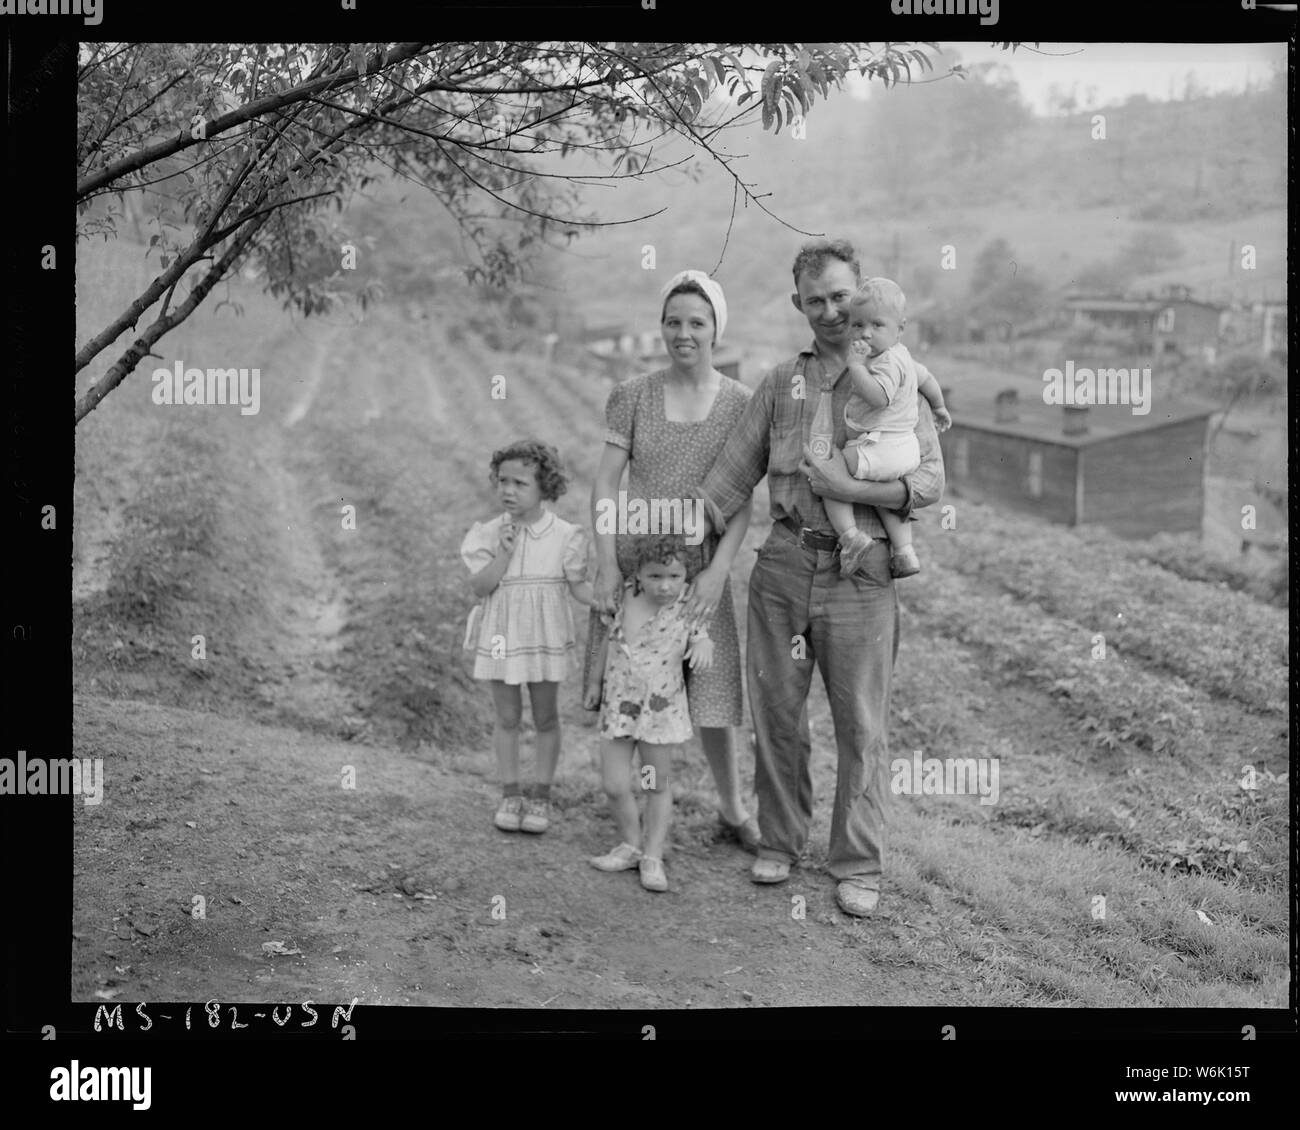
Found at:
(811, 539)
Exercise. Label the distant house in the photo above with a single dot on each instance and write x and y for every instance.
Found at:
(621, 353)
(1172, 322)
(1135, 475)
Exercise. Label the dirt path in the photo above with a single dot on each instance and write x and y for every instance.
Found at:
(282, 852)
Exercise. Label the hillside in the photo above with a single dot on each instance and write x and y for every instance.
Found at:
(1206, 174)
(329, 647)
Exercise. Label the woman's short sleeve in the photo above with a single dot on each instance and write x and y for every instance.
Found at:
(620, 413)
(479, 546)
(575, 555)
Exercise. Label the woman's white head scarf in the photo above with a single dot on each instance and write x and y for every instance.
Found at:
(717, 299)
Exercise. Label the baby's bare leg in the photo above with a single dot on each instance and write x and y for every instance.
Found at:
(898, 529)
(853, 542)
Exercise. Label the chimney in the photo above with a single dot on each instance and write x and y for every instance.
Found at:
(1076, 419)
(1004, 407)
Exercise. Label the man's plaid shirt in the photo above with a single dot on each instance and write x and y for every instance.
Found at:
(769, 440)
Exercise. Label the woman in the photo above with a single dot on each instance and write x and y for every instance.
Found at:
(667, 428)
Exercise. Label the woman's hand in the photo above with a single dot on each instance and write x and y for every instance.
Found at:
(606, 589)
(706, 592)
(828, 479)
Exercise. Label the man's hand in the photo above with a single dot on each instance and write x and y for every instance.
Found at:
(829, 479)
(700, 654)
(706, 592)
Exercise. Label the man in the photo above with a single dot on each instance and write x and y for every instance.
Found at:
(801, 611)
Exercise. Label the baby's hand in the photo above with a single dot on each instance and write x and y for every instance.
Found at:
(942, 419)
(858, 348)
(700, 654)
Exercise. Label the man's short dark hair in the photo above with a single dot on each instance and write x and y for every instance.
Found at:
(817, 253)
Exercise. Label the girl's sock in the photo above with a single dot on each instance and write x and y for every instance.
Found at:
(511, 789)
(541, 792)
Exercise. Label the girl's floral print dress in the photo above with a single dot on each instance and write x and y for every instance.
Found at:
(645, 690)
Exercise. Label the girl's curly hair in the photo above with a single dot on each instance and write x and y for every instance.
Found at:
(658, 549)
(551, 478)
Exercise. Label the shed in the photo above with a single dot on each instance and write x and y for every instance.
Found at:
(1135, 475)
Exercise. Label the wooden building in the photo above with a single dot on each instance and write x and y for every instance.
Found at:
(1171, 322)
(1135, 475)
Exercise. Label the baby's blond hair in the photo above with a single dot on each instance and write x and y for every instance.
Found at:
(884, 293)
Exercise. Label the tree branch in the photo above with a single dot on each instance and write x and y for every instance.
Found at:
(151, 153)
(142, 346)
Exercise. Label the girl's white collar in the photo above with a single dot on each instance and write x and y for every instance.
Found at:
(538, 528)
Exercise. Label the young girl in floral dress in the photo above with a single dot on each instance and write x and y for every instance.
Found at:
(645, 708)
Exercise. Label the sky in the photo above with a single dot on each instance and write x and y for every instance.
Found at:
(1106, 73)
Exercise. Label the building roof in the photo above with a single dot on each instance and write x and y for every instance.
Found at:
(1149, 304)
(1123, 305)
(1044, 423)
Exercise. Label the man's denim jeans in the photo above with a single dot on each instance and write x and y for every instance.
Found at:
(849, 629)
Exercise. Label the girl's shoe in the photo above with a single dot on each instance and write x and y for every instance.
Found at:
(509, 813)
(537, 816)
(652, 874)
(622, 858)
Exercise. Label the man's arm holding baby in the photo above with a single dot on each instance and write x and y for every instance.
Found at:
(831, 478)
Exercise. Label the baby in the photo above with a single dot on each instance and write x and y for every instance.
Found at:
(881, 417)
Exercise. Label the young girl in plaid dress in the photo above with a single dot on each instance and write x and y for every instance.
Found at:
(523, 565)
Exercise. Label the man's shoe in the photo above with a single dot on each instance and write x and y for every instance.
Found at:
(509, 813)
(622, 858)
(856, 899)
(537, 816)
(769, 871)
(905, 563)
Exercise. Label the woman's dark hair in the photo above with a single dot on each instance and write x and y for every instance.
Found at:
(690, 286)
(551, 478)
(816, 253)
